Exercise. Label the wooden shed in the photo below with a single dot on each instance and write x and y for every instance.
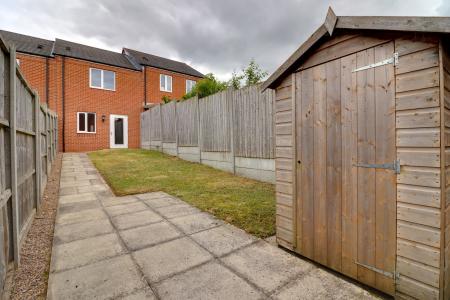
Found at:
(363, 152)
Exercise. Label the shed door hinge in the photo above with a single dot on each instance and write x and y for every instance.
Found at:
(391, 60)
(391, 166)
(393, 275)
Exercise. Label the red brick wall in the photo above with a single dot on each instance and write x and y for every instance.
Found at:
(154, 95)
(34, 69)
(127, 99)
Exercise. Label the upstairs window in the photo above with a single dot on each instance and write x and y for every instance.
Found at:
(102, 79)
(86, 122)
(165, 83)
(190, 85)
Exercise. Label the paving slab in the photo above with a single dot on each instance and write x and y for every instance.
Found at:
(110, 201)
(68, 191)
(153, 195)
(140, 237)
(92, 188)
(209, 281)
(135, 219)
(77, 198)
(179, 210)
(145, 294)
(82, 252)
(125, 208)
(224, 239)
(102, 280)
(165, 259)
(197, 222)
(77, 231)
(74, 183)
(163, 201)
(266, 266)
(82, 216)
(78, 206)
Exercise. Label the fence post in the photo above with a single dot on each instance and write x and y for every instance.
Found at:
(12, 127)
(37, 129)
(230, 96)
(199, 131)
(161, 127)
(176, 128)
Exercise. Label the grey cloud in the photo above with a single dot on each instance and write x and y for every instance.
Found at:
(220, 36)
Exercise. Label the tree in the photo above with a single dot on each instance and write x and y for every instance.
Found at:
(207, 86)
(166, 99)
(252, 74)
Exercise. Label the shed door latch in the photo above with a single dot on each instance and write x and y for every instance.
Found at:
(393, 275)
(391, 60)
(392, 166)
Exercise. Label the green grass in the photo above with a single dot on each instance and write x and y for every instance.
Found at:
(245, 203)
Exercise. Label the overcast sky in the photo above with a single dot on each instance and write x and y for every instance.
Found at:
(212, 36)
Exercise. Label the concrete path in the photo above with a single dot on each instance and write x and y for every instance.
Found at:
(155, 246)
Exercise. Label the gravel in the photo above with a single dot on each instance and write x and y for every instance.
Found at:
(31, 278)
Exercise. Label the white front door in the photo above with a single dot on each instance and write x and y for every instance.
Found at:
(118, 128)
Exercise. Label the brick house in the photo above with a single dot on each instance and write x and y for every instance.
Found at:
(98, 94)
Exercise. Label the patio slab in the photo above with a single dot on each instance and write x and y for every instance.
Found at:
(72, 232)
(197, 222)
(135, 219)
(140, 237)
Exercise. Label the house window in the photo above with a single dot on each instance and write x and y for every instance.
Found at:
(102, 79)
(189, 85)
(18, 61)
(165, 83)
(86, 122)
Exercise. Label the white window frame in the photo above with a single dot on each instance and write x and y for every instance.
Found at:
(101, 80)
(165, 83)
(86, 122)
(193, 82)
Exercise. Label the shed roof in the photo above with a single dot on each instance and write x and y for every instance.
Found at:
(151, 60)
(28, 44)
(75, 50)
(332, 22)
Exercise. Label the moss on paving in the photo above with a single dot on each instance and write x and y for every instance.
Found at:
(245, 203)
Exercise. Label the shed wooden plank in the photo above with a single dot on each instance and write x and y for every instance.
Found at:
(283, 222)
(283, 105)
(296, 164)
(385, 196)
(283, 117)
(422, 157)
(426, 117)
(411, 43)
(283, 152)
(415, 61)
(421, 137)
(418, 233)
(428, 216)
(418, 99)
(306, 189)
(283, 140)
(421, 176)
(284, 211)
(282, 175)
(419, 290)
(284, 188)
(418, 80)
(418, 252)
(320, 158)
(366, 176)
(418, 271)
(281, 129)
(284, 199)
(349, 171)
(333, 164)
(419, 195)
(283, 164)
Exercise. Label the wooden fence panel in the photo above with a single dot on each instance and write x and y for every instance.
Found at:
(145, 129)
(215, 122)
(187, 122)
(155, 123)
(168, 124)
(28, 140)
(253, 122)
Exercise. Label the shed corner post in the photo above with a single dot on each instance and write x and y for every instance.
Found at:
(13, 140)
(37, 142)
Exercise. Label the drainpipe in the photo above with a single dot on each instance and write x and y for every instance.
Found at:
(63, 83)
(145, 85)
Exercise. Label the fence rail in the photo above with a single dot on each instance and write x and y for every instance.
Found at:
(230, 130)
(28, 133)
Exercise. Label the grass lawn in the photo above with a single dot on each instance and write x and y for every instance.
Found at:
(246, 203)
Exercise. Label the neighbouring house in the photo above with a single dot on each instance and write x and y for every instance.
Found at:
(362, 117)
(98, 94)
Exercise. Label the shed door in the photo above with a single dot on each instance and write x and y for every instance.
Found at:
(346, 213)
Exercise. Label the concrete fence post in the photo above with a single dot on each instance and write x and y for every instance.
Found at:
(230, 95)
(37, 143)
(176, 128)
(161, 127)
(199, 131)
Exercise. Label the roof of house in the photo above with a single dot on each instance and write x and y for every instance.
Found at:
(332, 22)
(75, 50)
(146, 59)
(28, 44)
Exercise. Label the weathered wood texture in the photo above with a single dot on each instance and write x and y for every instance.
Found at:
(418, 185)
(187, 126)
(346, 214)
(27, 149)
(242, 119)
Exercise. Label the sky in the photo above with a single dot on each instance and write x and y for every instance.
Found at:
(211, 36)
